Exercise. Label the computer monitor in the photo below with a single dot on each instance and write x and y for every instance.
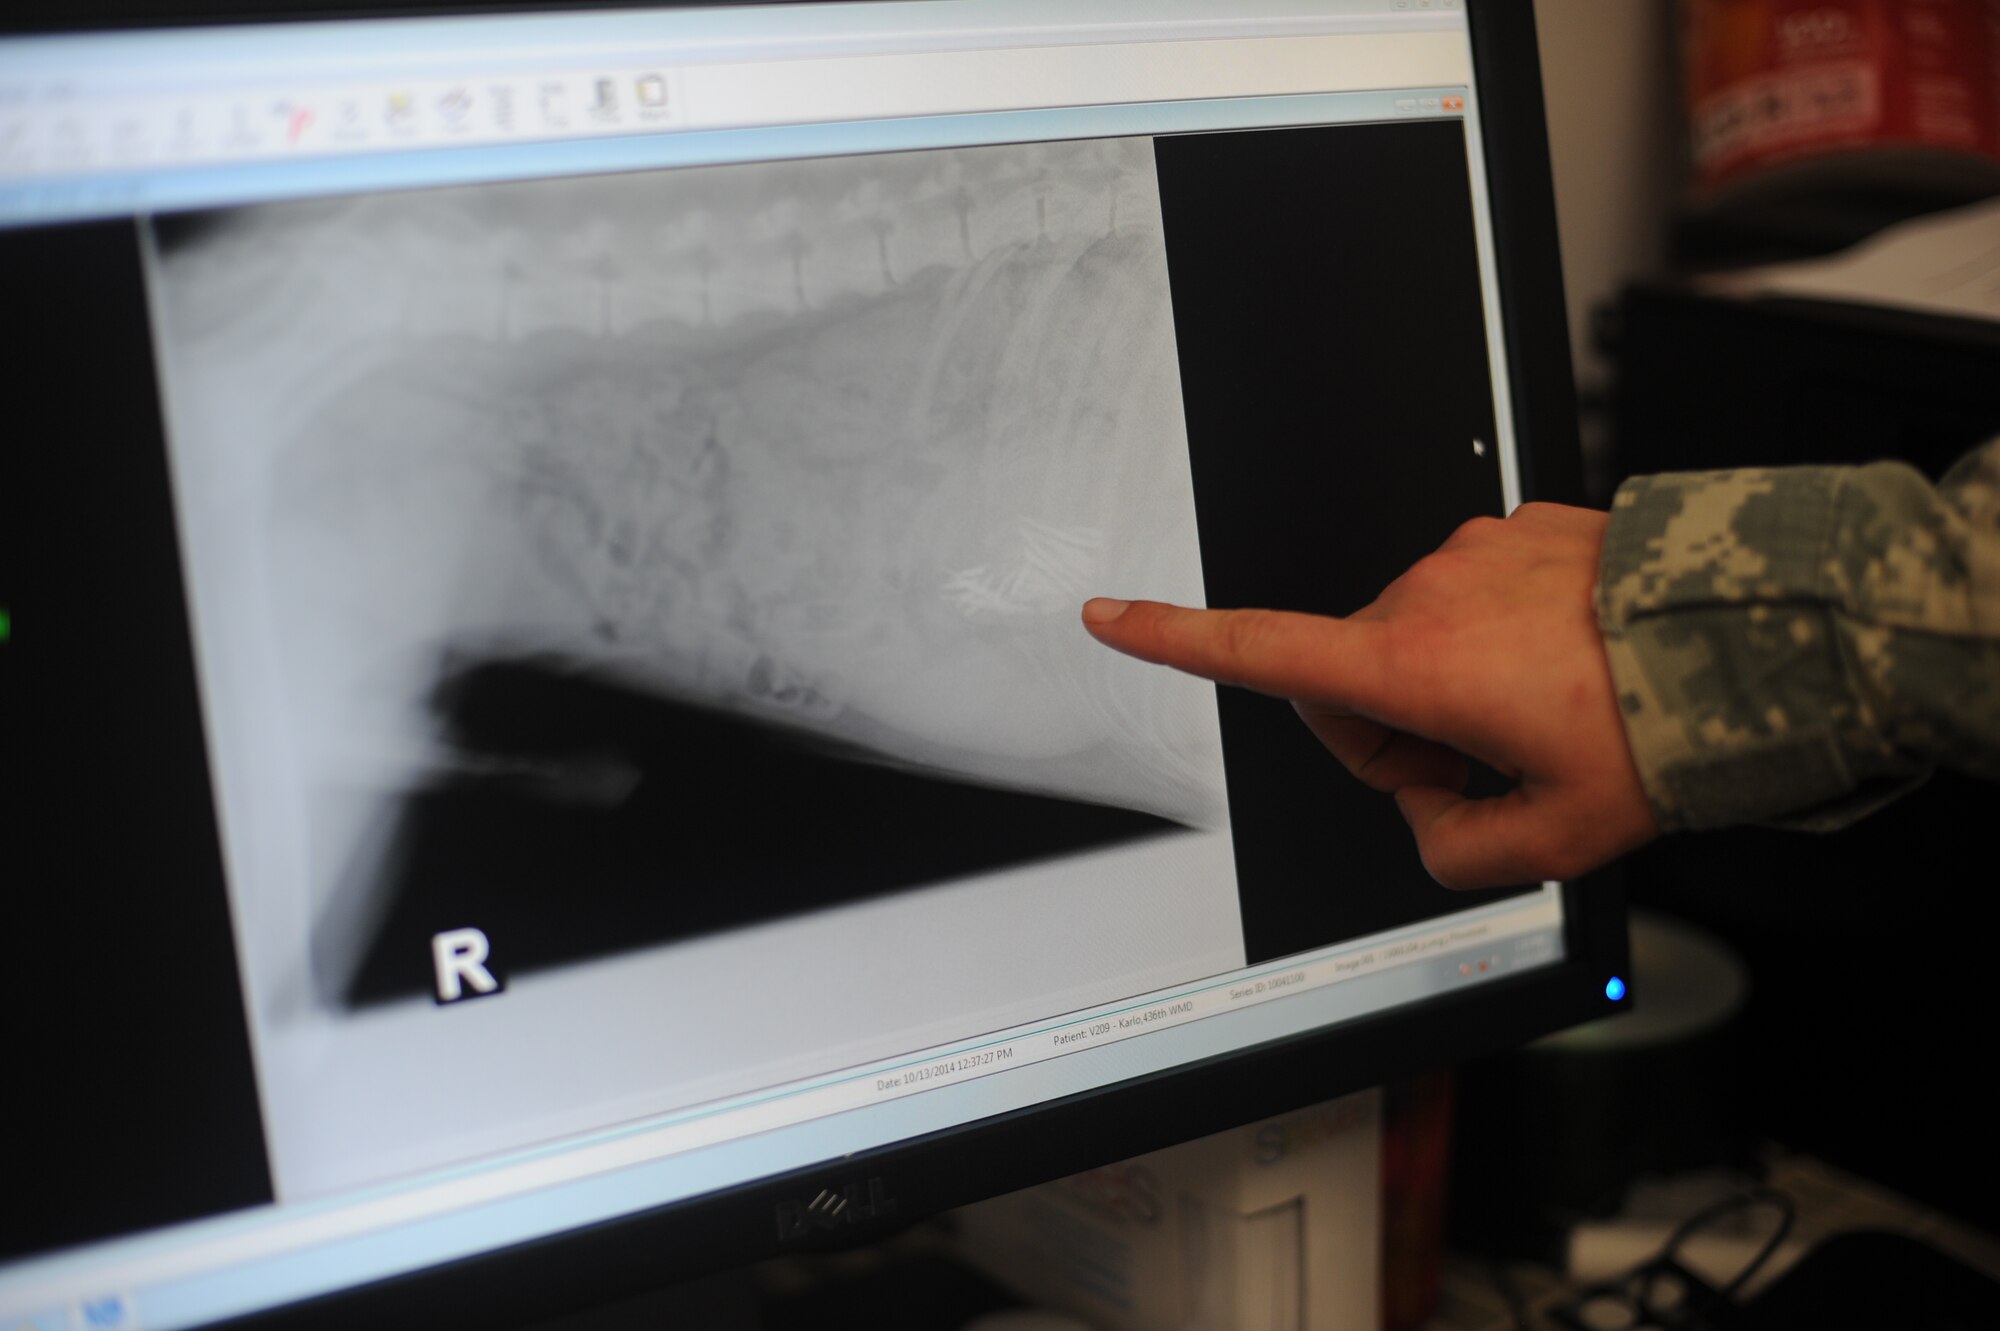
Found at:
(553, 745)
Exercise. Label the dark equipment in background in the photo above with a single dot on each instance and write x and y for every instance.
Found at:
(1864, 949)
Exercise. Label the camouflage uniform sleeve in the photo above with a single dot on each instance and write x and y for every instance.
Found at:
(1799, 646)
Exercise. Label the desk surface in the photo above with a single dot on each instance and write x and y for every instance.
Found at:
(1478, 1296)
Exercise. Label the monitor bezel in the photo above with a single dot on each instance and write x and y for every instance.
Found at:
(684, 1239)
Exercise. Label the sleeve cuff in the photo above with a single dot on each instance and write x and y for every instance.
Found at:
(1721, 618)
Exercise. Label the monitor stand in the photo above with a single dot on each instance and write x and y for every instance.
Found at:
(1272, 1226)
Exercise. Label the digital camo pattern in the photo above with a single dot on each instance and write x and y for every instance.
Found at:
(1799, 646)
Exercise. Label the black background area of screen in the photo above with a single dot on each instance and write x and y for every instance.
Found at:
(130, 1085)
(1334, 373)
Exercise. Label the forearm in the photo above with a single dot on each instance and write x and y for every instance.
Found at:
(1798, 646)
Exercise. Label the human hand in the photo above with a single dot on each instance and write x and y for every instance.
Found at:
(1487, 648)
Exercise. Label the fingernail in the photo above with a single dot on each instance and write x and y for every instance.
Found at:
(1103, 609)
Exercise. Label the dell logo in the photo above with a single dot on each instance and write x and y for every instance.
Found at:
(854, 1204)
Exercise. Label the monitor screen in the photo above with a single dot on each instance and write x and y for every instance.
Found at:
(545, 632)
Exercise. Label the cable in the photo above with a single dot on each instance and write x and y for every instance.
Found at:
(1700, 1220)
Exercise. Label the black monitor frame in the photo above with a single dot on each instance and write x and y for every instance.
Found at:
(681, 1240)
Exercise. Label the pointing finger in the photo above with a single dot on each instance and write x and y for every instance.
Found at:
(1309, 658)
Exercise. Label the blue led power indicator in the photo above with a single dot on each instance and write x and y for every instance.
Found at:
(1614, 988)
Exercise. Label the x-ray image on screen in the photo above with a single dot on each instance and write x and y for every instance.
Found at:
(607, 563)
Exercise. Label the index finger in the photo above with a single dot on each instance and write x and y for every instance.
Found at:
(1307, 658)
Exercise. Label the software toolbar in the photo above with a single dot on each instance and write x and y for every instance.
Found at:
(50, 137)
(64, 118)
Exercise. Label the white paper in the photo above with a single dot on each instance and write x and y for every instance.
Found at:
(1944, 263)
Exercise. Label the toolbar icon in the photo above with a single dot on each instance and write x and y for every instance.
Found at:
(501, 98)
(554, 99)
(112, 1312)
(347, 118)
(652, 91)
(128, 141)
(400, 111)
(454, 106)
(1454, 103)
(243, 128)
(604, 99)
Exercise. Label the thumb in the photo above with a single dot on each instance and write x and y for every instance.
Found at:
(1495, 842)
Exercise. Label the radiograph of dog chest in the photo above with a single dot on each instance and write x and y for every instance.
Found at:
(708, 539)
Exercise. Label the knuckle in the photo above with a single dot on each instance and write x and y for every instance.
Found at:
(1473, 530)
(1439, 568)
(1393, 647)
(1408, 652)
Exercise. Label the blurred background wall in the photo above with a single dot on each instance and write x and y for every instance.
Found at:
(1610, 77)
